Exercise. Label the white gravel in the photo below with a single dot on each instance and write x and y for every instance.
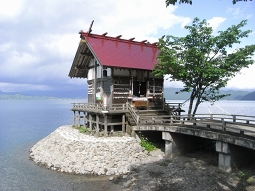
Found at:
(68, 150)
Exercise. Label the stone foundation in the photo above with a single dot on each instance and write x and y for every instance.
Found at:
(68, 150)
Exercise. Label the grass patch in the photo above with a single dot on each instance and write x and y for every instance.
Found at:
(147, 145)
(81, 129)
(244, 175)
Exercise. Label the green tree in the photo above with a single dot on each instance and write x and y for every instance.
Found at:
(201, 61)
(173, 2)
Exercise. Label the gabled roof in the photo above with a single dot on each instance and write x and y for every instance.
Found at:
(113, 52)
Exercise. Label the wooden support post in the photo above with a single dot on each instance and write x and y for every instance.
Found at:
(79, 119)
(84, 120)
(97, 125)
(123, 122)
(194, 122)
(105, 125)
(183, 121)
(74, 122)
(223, 126)
(90, 121)
(234, 118)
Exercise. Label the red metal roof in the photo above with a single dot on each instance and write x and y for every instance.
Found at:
(116, 52)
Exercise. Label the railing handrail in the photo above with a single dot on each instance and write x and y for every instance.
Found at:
(133, 114)
(99, 107)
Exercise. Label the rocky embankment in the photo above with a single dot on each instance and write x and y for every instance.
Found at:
(68, 150)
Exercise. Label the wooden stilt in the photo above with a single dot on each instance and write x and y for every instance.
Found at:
(97, 125)
(74, 122)
(123, 123)
(84, 119)
(105, 125)
(90, 121)
(79, 118)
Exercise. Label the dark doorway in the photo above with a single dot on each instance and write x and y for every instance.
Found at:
(139, 88)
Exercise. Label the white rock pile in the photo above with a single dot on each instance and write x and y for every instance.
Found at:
(68, 150)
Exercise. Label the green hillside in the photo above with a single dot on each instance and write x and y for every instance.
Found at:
(22, 97)
(169, 94)
(249, 96)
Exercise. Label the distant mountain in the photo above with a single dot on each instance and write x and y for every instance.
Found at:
(169, 94)
(49, 94)
(249, 96)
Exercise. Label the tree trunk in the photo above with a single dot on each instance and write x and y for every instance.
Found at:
(198, 100)
(192, 97)
(196, 106)
(190, 105)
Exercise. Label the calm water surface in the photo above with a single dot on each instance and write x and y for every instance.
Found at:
(223, 107)
(22, 124)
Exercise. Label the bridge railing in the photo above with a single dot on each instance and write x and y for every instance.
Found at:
(243, 119)
(170, 107)
(232, 123)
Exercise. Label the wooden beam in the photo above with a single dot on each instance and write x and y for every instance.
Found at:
(82, 67)
(86, 54)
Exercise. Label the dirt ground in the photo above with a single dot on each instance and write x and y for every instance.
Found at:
(196, 171)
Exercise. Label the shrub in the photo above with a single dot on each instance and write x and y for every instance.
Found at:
(148, 146)
(81, 128)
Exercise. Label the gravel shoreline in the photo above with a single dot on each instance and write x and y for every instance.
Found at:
(68, 150)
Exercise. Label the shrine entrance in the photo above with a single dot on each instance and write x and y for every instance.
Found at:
(139, 89)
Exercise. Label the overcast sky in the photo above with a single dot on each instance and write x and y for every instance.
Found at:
(39, 39)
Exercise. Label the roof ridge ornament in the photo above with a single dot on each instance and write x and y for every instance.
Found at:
(104, 34)
(118, 37)
(90, 28)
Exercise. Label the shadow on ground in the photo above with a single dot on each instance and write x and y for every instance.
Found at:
(195, 171)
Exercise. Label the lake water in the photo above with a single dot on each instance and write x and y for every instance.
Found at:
(222, 107)
(24, 122)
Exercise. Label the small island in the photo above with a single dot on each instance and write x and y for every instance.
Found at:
(68, 150)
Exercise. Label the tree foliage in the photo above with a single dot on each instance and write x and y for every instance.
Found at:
(173, 2)
(201, 61)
